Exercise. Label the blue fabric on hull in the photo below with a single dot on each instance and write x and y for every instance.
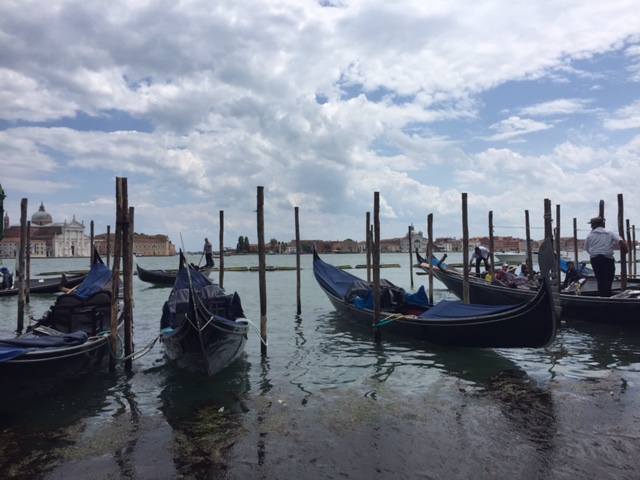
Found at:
(14, 347)
(451, 309)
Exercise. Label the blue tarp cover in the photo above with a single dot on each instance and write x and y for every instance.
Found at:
(99, 275)
(341, 284)
(450, 309)
(14, 347)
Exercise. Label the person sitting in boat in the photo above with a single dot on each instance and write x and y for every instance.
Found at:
(6, 279)
(572, 275)
(480, 254)
(507, 276)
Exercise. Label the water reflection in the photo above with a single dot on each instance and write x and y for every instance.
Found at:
(588, 350)
(62, 407)
(409, 364)
(183, 392)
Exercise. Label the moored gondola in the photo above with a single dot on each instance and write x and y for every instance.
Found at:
(585, 305)
(68, 343)
(529, 324)
(202, 328)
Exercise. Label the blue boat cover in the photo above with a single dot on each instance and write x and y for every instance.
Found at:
(451, 309)
(198, 280)
(98, 277)
(335, 280)
(357, 291)
(14, 347)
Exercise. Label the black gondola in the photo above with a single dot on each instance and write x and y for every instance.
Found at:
(202, 328)
(622, 308)
(530, 324)
(53, 284)
(163, 277)
(70, 341)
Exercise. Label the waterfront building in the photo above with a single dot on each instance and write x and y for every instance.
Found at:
(47, 238)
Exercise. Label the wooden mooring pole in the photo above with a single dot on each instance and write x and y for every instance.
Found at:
(22, 281)
(623, 256)
(127, 275)
(430, 255)
(492, 262)
(527, 226)
(115, 275)
(410, 254)
(221, 263)
(465, 249)
(298, 268)
(262, 272)
(376, 265)
(369, 246)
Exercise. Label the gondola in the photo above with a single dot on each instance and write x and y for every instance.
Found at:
(202, 328)
(529, 324)
(163, 277)
(54, 284)
(68, 343)
(577, 304)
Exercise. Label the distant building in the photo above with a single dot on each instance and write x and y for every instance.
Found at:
(67, 239)
(143, 245)
(46, 238)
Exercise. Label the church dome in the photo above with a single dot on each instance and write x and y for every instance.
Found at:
(41, 217)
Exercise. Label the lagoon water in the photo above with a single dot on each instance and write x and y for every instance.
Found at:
(328, 402)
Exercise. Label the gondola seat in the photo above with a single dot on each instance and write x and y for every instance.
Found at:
(91, 315)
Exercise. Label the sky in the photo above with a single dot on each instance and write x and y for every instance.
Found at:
(322, 104)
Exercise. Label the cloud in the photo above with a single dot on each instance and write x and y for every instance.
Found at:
(624, 118)
(515, 127)
(565, 106)
(322, 103)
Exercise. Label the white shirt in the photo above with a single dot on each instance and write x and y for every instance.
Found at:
(484, 253)
(600, 242)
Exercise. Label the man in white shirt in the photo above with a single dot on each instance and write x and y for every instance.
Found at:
(480, 254)
(599, 244)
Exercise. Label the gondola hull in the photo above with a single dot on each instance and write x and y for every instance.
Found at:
(41, 371)
(205, 349)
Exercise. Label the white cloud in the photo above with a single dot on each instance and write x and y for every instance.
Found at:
(625, 118)
(229, 94)
(565, 106)
(515, 127)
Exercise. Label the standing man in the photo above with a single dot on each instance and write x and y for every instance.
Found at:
(599, 245)
(480, 254)
(208, 253)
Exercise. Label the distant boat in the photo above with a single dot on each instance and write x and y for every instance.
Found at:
(53, 284)
(510, 257)
(163, 277)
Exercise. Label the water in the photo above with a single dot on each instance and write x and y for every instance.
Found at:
(328, 402)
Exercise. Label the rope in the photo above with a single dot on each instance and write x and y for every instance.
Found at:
(144, 351)
(255, 327)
